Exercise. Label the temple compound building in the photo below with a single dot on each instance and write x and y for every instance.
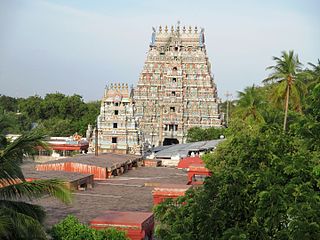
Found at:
(176, 90)
(117, 128)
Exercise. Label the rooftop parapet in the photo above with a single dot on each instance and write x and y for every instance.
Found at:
(183, 34)
(116, 89)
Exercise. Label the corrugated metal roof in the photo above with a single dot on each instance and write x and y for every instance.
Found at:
(183, 149)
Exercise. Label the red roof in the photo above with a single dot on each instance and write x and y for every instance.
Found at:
(186, 162)
(122, 218)
(199, 168)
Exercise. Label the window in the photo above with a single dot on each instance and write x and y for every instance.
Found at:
(172, 109)
(114, 140)
(116, 104)
(116, 112)
(174, 69)
(115, 125)
(172, 127)
(174, 79)
(161, 53)
(176, 48)
(173, 93)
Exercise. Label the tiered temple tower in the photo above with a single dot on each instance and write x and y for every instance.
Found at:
(176, 90)
(117, 128)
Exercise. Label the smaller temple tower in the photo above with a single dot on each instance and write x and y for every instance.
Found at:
(117, 128)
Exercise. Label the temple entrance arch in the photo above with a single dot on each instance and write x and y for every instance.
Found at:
(170, 141)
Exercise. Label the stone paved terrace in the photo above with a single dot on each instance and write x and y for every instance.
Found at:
(29, 172)
(107, 160)
(128, 192)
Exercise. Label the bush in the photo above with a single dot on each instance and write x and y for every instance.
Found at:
(70, 228)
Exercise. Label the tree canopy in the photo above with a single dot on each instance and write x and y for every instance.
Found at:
(58, 114)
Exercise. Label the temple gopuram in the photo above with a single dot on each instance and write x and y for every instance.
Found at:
(176, 90)
(117, 128)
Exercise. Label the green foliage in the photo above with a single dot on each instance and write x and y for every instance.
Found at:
(251, 104)
(59, 114)
(71, 229)
(288, 83)
(8, 104)
(264, 186)
(196, 134)
(20, 220)
(308, 126)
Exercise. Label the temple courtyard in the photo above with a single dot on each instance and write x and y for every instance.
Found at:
(131, 191)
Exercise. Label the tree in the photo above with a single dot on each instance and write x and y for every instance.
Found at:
(71, 229)
(59, 114)
(8, 104)
(32, 107)
(289, 85)
(196, 134)
(265, 185)
(58, 127)
(314, 74)
(250, 105)
(19, 219)
(308, 126)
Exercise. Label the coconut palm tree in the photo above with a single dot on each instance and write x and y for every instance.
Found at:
(314, 75)
(287, 76)
(250, 104)
(18, 218)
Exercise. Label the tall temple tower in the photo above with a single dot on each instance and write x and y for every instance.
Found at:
(176, 90)
(117, 127)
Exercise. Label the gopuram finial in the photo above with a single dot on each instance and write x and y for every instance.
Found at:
(190, 29)
(166, 29)
(160, 29)
(184, 29)
(196, 29)
(172, 29)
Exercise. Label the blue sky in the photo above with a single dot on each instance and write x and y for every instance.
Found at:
(79, 46)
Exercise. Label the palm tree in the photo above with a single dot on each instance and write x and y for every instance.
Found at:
(314, 75)
(19, 219)
(250, 104)
(288, 75)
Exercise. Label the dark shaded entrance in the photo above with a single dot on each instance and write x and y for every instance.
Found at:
(170, 141)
